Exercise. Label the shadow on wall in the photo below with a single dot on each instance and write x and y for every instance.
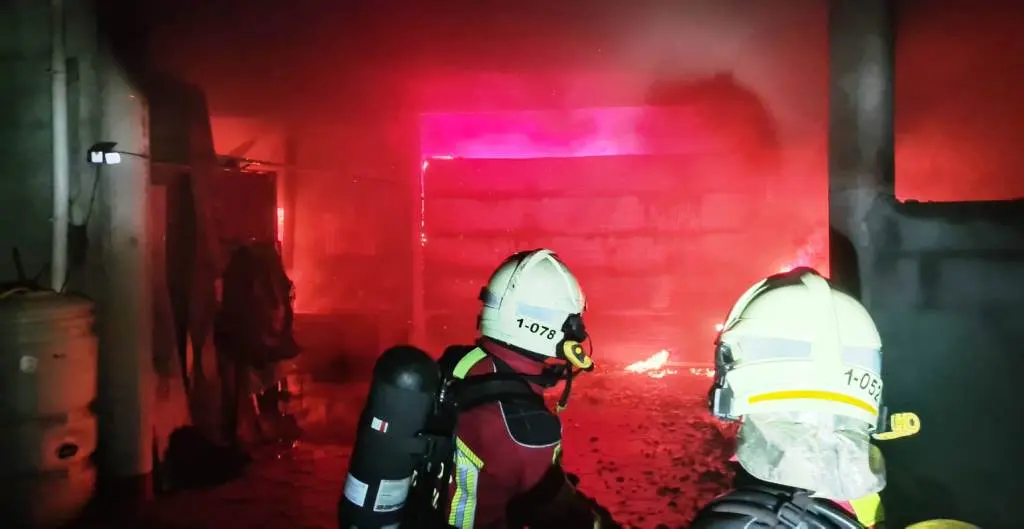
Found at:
(843, 266)
(734, 108)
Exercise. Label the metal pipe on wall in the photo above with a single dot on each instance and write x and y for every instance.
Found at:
(61, 148)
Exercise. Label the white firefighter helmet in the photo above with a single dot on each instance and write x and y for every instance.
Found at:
(792, 343)
(530, 302)
(943, 524)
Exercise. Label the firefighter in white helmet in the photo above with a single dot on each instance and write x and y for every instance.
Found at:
(799, 364)
(507, 471)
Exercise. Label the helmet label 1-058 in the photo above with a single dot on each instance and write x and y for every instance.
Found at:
(864, 382)
(537, 328)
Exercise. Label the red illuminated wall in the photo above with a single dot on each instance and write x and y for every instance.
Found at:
(959, 110)
(665, 216)
(753, 75)
(248, 138)
(353, 224)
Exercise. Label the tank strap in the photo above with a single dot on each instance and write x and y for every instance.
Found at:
(470, 391)
(478, 390)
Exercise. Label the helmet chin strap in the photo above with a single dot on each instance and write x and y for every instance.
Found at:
(577, 358)
(551, 375)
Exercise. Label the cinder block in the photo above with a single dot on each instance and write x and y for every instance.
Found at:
(627, 253)
(727, 211)
(447, 293)
(449, 328)
(485, 253)
(947, 232)
(25, 146)
(569, 215)
(626, 293)
(604, 176)
(977, 283)
(459, 216)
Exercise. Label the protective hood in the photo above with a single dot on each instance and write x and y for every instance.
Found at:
(830, 455)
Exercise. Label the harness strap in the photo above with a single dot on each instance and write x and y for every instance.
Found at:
(477, 390)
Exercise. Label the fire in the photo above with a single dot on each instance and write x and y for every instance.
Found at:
(654, 366)
(280, 226)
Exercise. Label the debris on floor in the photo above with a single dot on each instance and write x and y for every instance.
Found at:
(643, 446)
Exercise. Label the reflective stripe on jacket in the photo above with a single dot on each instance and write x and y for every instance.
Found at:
(867, 509)
(491, 466)
(462, 512)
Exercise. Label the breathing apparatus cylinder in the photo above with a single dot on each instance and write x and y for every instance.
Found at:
(403, 394)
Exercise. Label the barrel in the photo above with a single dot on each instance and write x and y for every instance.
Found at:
(48, 379)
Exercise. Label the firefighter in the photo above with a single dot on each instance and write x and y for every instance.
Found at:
(253, 335)
(798, 363)
(507, 471)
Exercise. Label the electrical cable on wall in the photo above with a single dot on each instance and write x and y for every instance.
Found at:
(23, 284)
(78, 234)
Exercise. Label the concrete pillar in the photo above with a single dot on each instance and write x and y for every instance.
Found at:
(861, 158)
(127, 377)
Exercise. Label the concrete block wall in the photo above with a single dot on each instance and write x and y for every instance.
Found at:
(25, 136)
(102, 105)
(654, 245)
(26, 184)
(353, 235)
(947, 288)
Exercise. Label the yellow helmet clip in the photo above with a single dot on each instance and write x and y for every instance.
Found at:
(903, 424)
(576, 356)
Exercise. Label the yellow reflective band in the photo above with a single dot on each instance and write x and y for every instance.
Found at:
(462, 512)
(868, 509)
(467, 362)
(463, 450)
(557, 457)
(814, 395)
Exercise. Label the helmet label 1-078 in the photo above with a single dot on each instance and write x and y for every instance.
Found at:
(537, 328)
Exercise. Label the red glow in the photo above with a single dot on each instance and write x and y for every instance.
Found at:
(280, 226)
(654, 366)
(564, 134)
(965, 143)
(665, 217)
(813, 253)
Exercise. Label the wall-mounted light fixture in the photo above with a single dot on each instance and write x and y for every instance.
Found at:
(103, 153)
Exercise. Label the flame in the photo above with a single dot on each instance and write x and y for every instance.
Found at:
(280, 225)
(657, 361)
(708, 372)
(654, 366)
(811, 254)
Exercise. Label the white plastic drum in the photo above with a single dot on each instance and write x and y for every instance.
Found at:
(48, 374)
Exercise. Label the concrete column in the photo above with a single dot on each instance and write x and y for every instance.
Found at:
(861, 157)
(127, 376)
